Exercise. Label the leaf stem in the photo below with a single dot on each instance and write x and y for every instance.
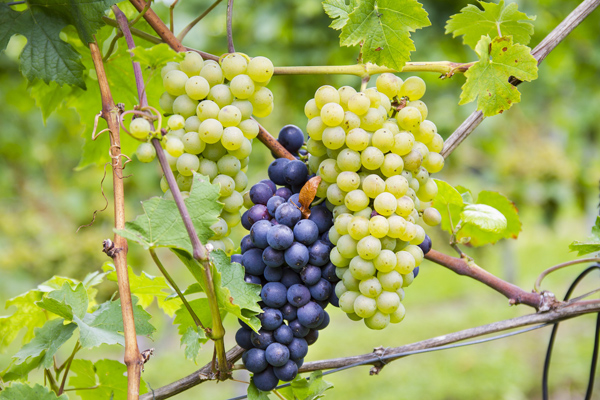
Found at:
(68, 366)
(141, 34)
(230, 46)
(194, 22)
(548, 271)
(140, 15)
(164, 271)
(51, 380)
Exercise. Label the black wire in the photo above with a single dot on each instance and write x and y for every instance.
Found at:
(590, 387)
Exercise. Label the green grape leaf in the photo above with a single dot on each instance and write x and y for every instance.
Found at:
(494, 20)
(234, 295)
(449, 203)
(48, 339)
(383, 27)
(107, 377)
(20, 372)
(92, 279)
(488, 79)
(48, 97)
(20, 391)
(256, 394)
(28, 315)
(338, 11)
(156, 56)
(307, 389)
(162, 226)
(146, 288)
(67, 302)
(465, 193)
(193, 339)
(191, 336)
(484, 217)
(591, 245)
(104, 326)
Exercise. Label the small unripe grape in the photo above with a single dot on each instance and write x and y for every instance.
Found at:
(184, 183)
(174, 82)
(434, 162)
(326, 94)
(311, 110)
(145, 152)
(197, 87)
(140, 128)
(347, 300)
(409, 118)
(212, 73)
(388, 84)
(359, 103)
(398, 315)
(242, 86)
(210, 131)
(185, 106)
(187, 164)
(431, 216)
(166, 102)
(176, 122)
(413, 88)
(378, 321)
(192, 63)
(233, 64)
(260, 69)
(192, 143)
(174, 147)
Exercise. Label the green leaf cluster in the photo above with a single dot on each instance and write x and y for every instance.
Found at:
(107, 377)
(307, 389)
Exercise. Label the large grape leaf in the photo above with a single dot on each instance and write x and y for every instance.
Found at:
(484, 217)
(20, 372)
(192, 336)
(20, 391)
(494, 20)
(591, 245)
(66, 302)
(162, 226)
(48, 339)
(28, 315)
(488, 79)
(383, 27)
(106, 377)
(307, 389)
(338, 11)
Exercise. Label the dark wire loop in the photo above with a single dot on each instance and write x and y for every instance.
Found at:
(594, 363)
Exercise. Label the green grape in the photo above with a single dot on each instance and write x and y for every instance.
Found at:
(419, 237)
(405, 262)
(410, 232)
(347, 246)
(216, 244)
(373, 186)
(232, 218)
(247, 202)
(409, 118)
(341, 223)
(168, 68)
(397, 226)
(426, 132)
(365, 212)
(348, 160)
(414, 184)
(192, 143)
(166, 102)
(361, 269)
(345, 93)
(351, 121)
(192, 63)
(378, 226)
(372, 120)
(263, 112)
(390, 281)
(316, 147)
(348, 181)
(233, 202)
(372, 158)
(364, 306)
(392, 165)
(422, 149)
(407, 279)
(184, 183)
(359, 104)
(391, 125)
(210, 131)
(353, 317)
(245, 108)
(419, 105)
(383, 139)
(334, 138)
(185, 106)
(413, 160)
(386, 104)
(431, 216)
(187, 164)
(385, 204)
(416, 252)
(233, 64)
(315, 128)
(350, 281)
(220, 94)
(226, 183)
(172, 161)
(332, 114)
(145, 152)
(428, 191)
(326, 94)
(164, 185)
(388, 302)
(403, 143)
(168, 195)
(220, 229)
(242, 86)
(434, 162)
(322, 188)
(174, 122)
(230, 116)
(192, 124)
(337, 259)
(368, 247)
(396, 185)
(262, 98)
(340, 289)
(357, 139)
(405, 205)
(197, 87)
(174, 147)
(311, 110)
(398, 315)
(179, 133)
(400, 293)
(437, 143)
(421, 175)
(413, 88)
(213, 74)
(356, 200)
(207, 109)
(329, 171)
(174, 82)
(260, 69)
(339, 272)
(140, 128)
(347, 300)
(358, 228)
(388, 243)
(339, 210)
(241, 181)
(385, 261)
(378, 321)
(229, 165)
(245, 149)
(374, 96)
(388, 84)
(214, 151)
(335, 195)
(249, 128)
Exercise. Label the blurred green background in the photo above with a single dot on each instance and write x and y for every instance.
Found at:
(542, 154)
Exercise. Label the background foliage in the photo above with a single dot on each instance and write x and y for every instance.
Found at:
(541, 154)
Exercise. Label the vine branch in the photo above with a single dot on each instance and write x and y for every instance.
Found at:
(133, 358)
(189, 26)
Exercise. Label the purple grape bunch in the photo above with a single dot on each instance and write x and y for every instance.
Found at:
(289, 257)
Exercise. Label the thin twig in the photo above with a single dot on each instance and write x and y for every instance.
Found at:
(141, 34)
(159, 27)
(16, 3)
(194, 22)
(171, 12)
(538, 281)
(230, 46)
(540, 52)
(140, 15)
(133, 359)
(67, 367)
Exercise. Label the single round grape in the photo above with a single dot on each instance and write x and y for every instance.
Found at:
(405, 205)
(409, 118)
(212, 73)
(226, 183)
(386, 261)
(245, 108)
(169, 67)
(262, 98)
(315, 128)
(378, 321)
(434, 163)
(388, 302)
(220, 94)
(385, 203)
(332, 114)
(208, 168)
(192, 63)
(166, 102)
(422, 107)
(392, 165)
(322, 188)
(197, 87)
(428, 191)
(407, 279)
(349, 160)
(368, 247)
(175, 122)
(192, 124)
(328, 170)
(361, 269)
(316, 147)
(359, 103)
(311, 110)
(174, 82)
(214, 151)
(413, 160)
(416, 252)
(233, 202)
(357, 139)
(334, 138)
(233, 64)
(348, 181)
(230, 116)
(187, 164)
(419, 236)
(372, 158)
(422, 149)
(378, 226)
(390, 281)
(174, 147)
(364, 306)
(413, 88)
(409, 232)
(403, 143)
(338, 210)
(437, 143)
(426, 131)
(339, 287)
(229, 165)
(210, 131)
(185, 106)
(383, 139)
(388, 84)
(347, 300)
(372, 120)
(356, 200)
(396, 185)
(391, 125)
(397, 226)
(232, 219)
(241, 181)
(260, 69)
(405, 262)
(350, 121)
(326, 94)
(398, 315)
(431, 216)
(388, 243)
(347, 246)
(358, 228)
(242, 86)
(207, 109)
(244, 150)
(335, 195)
(249, 128)
(145, 152)
(341, 223)
(345, 93)
(192, 143)
(220, 229)
(263, 112)
(370, 287)
(337, 259)
(374, 96)
(140, 128)
(373, 185)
